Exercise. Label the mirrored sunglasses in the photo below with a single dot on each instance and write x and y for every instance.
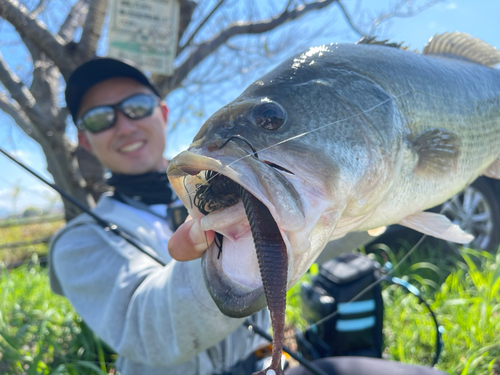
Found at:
(103, 117)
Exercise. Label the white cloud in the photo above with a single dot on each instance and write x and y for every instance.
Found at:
(5, 204)
(40, 188)
(36, 194)
(4, 191)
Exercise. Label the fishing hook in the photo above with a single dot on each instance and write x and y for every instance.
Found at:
(108, 226)
(241, 138)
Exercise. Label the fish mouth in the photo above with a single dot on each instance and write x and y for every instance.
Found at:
(230, 265)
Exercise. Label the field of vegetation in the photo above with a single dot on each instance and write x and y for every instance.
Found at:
(22, 235)
(40, 333)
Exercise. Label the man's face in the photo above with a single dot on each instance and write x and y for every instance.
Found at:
(130, 146)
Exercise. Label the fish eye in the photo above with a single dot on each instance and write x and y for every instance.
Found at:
(270, 115)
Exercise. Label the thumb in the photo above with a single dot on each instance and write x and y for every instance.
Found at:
(189, 241)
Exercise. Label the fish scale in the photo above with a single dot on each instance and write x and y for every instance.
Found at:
(349, 137)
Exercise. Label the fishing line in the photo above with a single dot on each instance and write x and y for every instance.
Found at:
(371, 286)
(386, 277)
(187, 191)
(241, 138)
(297, 136)
(393, 97)
(108, 226)
(375, 283)
(398, 264)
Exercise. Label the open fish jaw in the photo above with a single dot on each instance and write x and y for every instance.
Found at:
(237, 250)
(232, 272)
(349, 137)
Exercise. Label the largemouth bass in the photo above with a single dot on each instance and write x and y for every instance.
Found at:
(340, 138)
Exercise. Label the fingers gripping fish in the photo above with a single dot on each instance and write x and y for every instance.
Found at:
(337, 139)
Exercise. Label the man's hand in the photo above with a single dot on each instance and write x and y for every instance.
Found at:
(189, 241)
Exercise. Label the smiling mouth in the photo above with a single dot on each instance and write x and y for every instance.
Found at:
(131, 147)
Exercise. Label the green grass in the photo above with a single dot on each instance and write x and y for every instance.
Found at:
(40, 333)
(465, 296)
(467, 305)
(27, 232)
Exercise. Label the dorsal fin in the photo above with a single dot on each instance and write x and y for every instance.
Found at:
(462, 46)
(373, 40)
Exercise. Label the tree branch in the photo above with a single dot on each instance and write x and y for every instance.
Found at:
(38, 9)
(201, 24)
(92, 28)
(75, 19)
(187, 10)
(28, 27)
(396, 12)
(16, 88)
(349, 19)
(20, 93)
(45, 82)
(239, 28)
(56, 164)
(14, 110)
(19, 116)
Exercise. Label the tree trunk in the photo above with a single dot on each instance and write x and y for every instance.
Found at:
(63, 166)
(92, 173)
(37, 109)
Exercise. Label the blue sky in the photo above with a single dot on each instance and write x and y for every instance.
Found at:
(477, 18)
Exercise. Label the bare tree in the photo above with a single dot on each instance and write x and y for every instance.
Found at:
(206, 28)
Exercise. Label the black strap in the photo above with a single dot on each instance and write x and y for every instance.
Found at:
(439, 329)
(150, 188)
(127, 237)
(175, 213)
(122, 198)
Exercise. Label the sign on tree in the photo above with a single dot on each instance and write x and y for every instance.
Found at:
(144, 32)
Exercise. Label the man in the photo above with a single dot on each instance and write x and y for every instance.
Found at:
(160, 320)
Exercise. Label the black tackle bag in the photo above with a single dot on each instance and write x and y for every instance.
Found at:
(343, 285)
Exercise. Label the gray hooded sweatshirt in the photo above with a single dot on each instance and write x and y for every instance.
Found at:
(159, 319)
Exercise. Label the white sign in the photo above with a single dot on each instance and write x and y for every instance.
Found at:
(144, 32)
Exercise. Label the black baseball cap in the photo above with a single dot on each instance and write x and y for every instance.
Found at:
(95, 71)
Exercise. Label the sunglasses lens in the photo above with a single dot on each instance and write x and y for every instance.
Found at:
(139, 106)
(99, 119)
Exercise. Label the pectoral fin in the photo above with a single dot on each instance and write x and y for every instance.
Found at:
(493, 170)
(438, 150)
(436, 225)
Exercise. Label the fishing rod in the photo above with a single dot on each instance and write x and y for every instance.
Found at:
(108, 226)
